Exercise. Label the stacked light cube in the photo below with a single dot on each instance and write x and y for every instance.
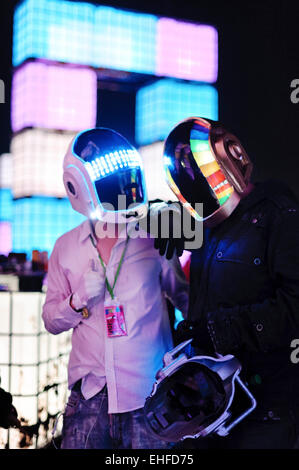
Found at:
(163, 104)
(6, 204)
(37, 162)
(47, 95)
(39, 221)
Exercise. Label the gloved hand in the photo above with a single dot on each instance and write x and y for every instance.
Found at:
(92, 285)
(164, 222)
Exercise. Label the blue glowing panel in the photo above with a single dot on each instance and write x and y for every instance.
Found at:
(53, 29)
(82, 33)
(39, 221)
(6, 202)
(125, 40)
(161, 105)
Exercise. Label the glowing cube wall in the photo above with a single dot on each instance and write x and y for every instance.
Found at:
(39, 221)
(102, 36)
(32, 362)
(53, 96)
(37, 162)
(152, 157)
(163, 104)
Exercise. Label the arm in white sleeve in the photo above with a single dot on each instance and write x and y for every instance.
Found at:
(175, 284)
(57, 314)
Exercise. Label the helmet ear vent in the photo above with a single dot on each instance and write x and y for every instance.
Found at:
(71, 188)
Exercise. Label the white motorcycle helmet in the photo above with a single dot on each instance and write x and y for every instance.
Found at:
(196, 396)
(103, 177)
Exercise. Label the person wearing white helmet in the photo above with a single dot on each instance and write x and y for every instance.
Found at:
(107, 282)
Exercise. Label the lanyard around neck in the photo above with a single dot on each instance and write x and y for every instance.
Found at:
(109, 288)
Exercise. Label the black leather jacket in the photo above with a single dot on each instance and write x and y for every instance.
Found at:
(244, 288)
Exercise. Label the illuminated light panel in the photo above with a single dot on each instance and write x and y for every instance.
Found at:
(163, 104)
(5, 238)
(39, 221)
(6, 204)
(187, 50)
(82, 33)
(112, 162)
(53, 96)
(38, 162)
(5, 170)
(32, 361)
(54, 29)
(125, 40)
(157, 187)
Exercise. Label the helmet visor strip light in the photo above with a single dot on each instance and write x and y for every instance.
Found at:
(100, 166)
(207, 164)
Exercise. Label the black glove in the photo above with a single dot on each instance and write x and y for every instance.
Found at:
(8, 413)
(165, 223)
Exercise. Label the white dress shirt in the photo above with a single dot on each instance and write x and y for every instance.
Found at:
(127, 364)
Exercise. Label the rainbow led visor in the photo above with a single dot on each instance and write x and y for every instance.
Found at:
(200, 170)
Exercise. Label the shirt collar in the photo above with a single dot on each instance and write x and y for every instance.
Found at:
(86, 230)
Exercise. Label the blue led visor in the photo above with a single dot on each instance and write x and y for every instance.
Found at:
(114, 166)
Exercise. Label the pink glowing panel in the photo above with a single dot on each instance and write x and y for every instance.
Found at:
(5, 238)
(187, 50)
(54, 97)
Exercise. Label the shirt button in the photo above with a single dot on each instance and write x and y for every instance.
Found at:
(257, 261)
(219, 254)
(259, 327)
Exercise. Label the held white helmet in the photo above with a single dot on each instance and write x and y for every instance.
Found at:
(196, 396)
(103, 177)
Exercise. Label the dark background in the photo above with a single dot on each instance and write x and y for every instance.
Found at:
(258, 59)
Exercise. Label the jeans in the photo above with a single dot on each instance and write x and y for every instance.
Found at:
(87, 425)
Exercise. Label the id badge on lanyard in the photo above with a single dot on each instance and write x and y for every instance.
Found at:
(113, 310)
(115, 318)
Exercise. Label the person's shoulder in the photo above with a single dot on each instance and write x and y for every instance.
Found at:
(280, 196)
(71, 236)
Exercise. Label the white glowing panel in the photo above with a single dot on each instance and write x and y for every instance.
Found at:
(157, 187)
(53, 96)
(5, 170)
(33, 366)
(163, 104)
(37, 162)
